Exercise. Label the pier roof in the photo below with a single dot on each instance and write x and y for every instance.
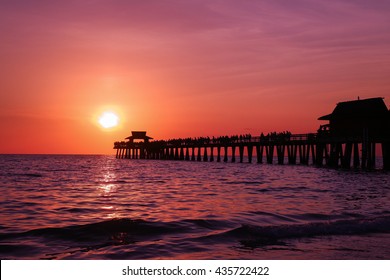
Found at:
(138, 135)
(361, 108)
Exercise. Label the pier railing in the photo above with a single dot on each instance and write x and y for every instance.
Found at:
(225, 140)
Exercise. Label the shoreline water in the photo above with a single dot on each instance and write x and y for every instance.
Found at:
(99, 207)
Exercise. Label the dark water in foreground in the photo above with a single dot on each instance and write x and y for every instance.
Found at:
(98, 207)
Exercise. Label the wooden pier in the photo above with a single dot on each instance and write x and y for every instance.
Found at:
(350, 139)
(301, 149)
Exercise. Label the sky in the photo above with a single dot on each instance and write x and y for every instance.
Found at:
(182, 68)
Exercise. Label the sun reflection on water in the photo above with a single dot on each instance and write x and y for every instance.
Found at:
(107, 192)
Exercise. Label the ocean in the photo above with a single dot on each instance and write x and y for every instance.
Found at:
(100, 207)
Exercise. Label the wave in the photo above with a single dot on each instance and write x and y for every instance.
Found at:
(145, 229)
(33, 175)
(97, 231)
(139, 236)
(254, 236)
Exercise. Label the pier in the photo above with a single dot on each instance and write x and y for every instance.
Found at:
(297, 149)
(349, 140)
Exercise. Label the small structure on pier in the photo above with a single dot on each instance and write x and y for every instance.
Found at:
(138, 135)
(359, 118)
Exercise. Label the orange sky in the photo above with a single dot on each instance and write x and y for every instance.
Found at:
(182, 68)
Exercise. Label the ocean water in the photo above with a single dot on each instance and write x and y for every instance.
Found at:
(99, 207)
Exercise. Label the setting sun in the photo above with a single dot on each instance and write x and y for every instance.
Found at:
(108, 120)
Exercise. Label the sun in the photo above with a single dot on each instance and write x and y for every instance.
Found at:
(108, 120)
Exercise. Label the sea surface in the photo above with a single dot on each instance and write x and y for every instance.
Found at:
(99, 207)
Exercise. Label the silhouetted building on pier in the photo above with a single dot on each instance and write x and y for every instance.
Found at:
(138, 135)
(359, 118)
